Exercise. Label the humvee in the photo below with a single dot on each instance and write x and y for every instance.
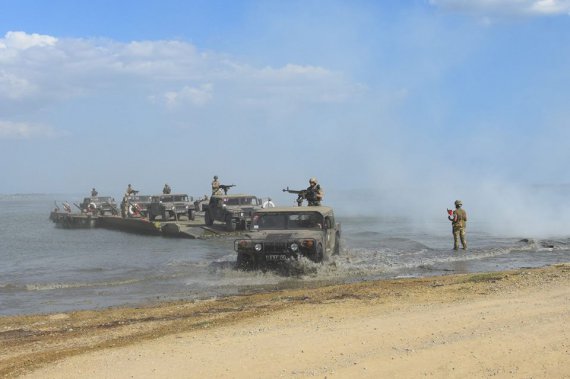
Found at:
(167, 205)
(142, 201)
(282, 233)
(234, 210)
(99, 205)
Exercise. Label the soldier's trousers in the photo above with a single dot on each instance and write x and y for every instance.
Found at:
(459, 234)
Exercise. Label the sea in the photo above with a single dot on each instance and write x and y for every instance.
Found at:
(45, 269)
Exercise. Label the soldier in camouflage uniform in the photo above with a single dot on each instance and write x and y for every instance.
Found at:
(216, 190)
(314, 194)
(458, 222)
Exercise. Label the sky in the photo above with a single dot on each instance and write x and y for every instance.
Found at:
(416, 99)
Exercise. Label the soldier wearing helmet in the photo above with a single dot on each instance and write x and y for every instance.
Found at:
(216, 186)
(315, 193)
(458, 220)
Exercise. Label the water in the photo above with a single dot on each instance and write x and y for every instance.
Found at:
(46, 269)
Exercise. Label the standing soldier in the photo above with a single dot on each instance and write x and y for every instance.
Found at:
(314, 194)
(458, 220)
(216, 186)
(94, 192)
(130, 191)
(166, 190)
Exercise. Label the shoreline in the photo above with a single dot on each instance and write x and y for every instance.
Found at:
(48, 343)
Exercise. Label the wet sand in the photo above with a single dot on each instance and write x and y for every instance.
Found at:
(506, 324)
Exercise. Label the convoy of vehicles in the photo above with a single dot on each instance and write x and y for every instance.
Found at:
(269, 236)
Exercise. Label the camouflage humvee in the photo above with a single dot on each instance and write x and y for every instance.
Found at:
(278, 234)
(143, 203)
(99, 205)
(234, 210)
(167, 205)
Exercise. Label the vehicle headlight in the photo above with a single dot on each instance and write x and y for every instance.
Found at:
(294, 247)
(257, 247)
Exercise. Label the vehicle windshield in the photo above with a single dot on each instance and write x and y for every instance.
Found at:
(98, 200)
(172, 198)
(240, 201)
(278, 221)
(140, 199)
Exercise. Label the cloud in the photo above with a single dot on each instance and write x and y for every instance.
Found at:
(23, 41)
(20, 130)
(14, 87)
(196, 96)
(40, 69)
(506, 7)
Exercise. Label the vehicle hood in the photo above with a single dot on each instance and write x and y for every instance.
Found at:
(282, 235)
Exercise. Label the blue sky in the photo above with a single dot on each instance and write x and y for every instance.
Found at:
(433, 95)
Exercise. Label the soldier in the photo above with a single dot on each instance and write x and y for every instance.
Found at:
(130, 190)
(94, 192)
(166, 190)
(314, 193)
(216, 190)
(458, 220)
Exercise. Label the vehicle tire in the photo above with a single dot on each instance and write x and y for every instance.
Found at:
(191, 214)
(336, 250)
(230, 224)
(208, 219)
(245, 262)
(319, 254)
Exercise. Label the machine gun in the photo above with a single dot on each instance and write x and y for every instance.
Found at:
(301, 195)
(226, 187)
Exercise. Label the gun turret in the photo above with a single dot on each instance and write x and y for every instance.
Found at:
(301, 195)
(226, 187)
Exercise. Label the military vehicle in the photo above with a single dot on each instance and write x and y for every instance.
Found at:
(167, 205)
(99, 205)
(139, 204)
(283, 233)
(234, 210)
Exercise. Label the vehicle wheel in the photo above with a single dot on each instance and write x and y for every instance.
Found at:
(208, 219)
(336, 250)
(191, 215)
(230, 224)
(319, 253)
(246, 262)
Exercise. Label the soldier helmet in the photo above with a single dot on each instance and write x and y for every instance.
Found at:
(313, 180)
(458, 203)
(216, 177)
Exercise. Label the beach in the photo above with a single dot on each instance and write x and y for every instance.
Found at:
(503, 324)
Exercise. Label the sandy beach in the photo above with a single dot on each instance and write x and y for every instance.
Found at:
(507, 324)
